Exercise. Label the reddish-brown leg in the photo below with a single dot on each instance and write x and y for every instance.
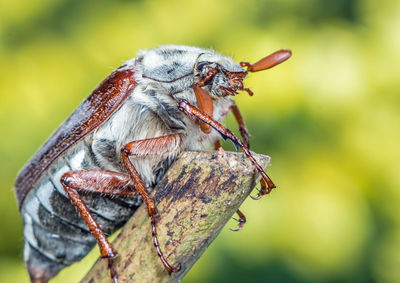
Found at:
(264, 190)
(97, 181)
(241, 220)
(242, 126)
(243, 131)
(217, 144)
(153, 146)
(193, 111)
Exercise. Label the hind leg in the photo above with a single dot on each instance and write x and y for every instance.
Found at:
(97, 181)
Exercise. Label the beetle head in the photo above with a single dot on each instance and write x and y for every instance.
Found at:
(221, 78)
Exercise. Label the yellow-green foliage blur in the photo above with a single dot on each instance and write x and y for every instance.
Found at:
(329, 118)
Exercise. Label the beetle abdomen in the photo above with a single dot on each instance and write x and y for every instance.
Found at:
(54, 230)
(55, 234)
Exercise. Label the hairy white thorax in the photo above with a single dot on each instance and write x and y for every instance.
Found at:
(163, 75)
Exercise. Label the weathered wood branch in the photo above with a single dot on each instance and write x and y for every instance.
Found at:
(196, 198)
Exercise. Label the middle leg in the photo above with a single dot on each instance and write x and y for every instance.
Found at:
(154, 146)
(243, 131)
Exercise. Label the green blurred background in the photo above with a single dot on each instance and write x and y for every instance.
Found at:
(329, 117)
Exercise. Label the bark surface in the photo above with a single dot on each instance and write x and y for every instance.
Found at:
(195, 199)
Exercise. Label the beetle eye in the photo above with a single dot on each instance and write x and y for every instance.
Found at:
(201, 67)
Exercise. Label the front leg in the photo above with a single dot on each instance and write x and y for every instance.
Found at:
(193, 111)
(242, 126)
(154, 146)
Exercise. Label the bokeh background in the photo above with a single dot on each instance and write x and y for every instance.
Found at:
(329, 117)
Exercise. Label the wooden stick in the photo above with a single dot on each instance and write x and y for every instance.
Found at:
(195, 199)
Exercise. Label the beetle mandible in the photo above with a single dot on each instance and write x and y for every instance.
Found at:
(96, 169)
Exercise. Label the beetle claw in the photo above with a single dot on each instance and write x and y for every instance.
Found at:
(237, 229)
(265, 190)
(176, 269)
(235, 145)
(257, 197)
(241, 221)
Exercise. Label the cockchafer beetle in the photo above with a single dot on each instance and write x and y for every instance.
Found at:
(96, 169)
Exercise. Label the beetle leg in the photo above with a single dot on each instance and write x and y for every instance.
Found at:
(245, 135)
(242, 125)
(217, 144)
(242, 128)
(153, 146)
(193, 111)
(243, 131)
(264, 190)
(241, 220)
(97, 181)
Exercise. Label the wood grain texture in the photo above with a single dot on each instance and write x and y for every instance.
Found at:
(195, 199)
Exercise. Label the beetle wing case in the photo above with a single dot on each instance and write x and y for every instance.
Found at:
(93, 111)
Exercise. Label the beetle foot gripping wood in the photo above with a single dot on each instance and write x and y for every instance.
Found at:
(195, 199)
